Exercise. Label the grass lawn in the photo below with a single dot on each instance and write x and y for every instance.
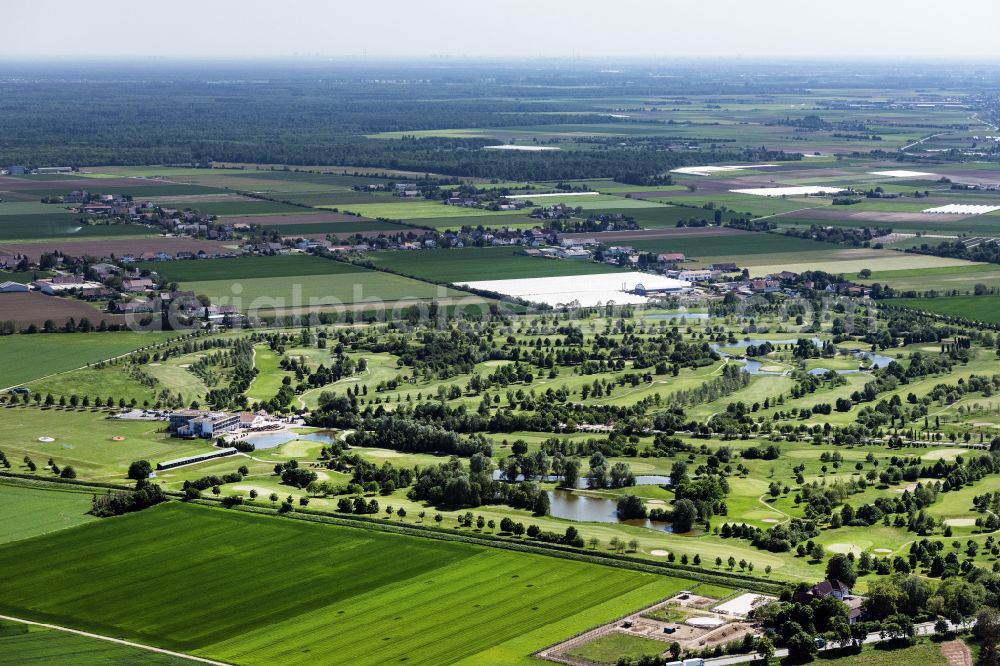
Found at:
(608, 649)
(26, 512)
(261, 590)
(83, 439)
(266, 384)
(27, 357)
(481, 263)
(924, 653)
(26, 644)
(110, 381)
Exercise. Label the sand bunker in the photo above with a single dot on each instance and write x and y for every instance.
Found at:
(382, 453)
(117, 438)
(960, 522)
(658, 553)
(45, 439)
(942, 453)
(705, 621)
(844, 548)
(770, 520)
(883, 550)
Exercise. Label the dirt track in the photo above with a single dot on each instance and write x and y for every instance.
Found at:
(957, 653)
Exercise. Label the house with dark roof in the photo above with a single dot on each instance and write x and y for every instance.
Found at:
(839, 591)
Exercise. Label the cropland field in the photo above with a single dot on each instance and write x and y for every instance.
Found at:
(27, 357)
(963, 278)
(27, 512)
(53, 225)
(975, 308)
(308, 292)
(293, 283)
(238, 268)
(409, 210)
(115, 247)
(34, 307)
(481, 263)
(258, 590)
(26, 644)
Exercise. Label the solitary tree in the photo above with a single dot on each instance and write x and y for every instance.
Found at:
(139, 470)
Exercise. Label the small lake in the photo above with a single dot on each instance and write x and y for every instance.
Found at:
(877, 360)
(270, 440)
(679, 315)
(640, 479)
(571, 506)
(753, 366)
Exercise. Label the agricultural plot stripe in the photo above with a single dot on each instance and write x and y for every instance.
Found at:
(962, 209)
(117, 641)
(790, 191)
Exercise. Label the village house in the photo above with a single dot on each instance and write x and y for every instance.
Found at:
(137, 284)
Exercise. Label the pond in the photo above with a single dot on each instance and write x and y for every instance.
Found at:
(877, 360)
(640, 480)
(270, 440)
(679, 315)
(753, 366)
(571, 506)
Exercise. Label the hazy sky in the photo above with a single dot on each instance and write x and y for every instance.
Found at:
(926, 29)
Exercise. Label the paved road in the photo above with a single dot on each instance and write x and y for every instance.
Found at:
(118, 641)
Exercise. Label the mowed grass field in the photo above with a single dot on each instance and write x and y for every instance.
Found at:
(85, 440)
(264, 590)
(27, 357)
(494, 263)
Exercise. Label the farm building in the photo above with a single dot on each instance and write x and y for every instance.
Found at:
(9, 287)
(220, 453)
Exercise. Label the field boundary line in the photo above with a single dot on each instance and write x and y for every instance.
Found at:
(118, 641)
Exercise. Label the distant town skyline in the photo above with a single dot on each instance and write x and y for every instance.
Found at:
(780, 29)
